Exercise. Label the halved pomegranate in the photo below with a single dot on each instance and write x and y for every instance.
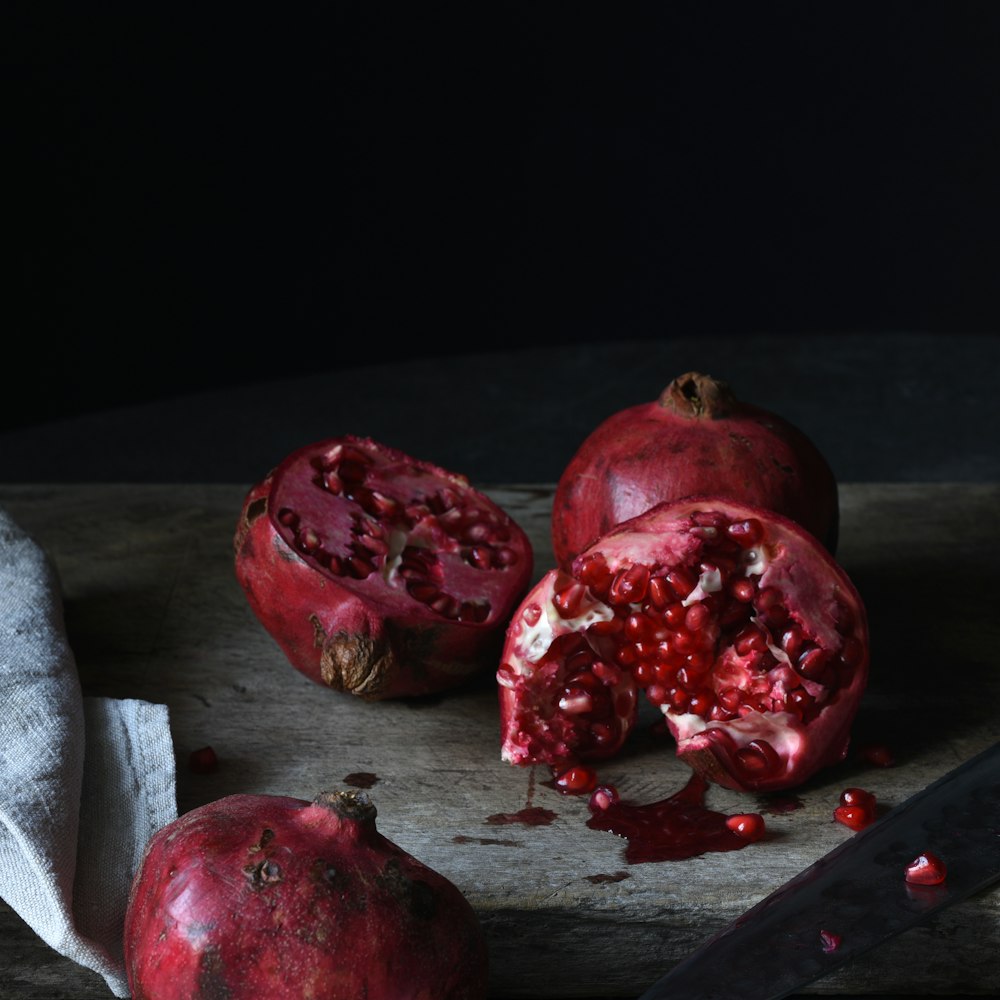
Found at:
(376, 573)
(732, 619)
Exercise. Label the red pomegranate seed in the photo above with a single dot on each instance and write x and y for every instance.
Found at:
(743, 590)
(606, 673)
(829, 941)
(578, 780)
(701, 702)
(638, 627)
(854, 817)
(593, 571)
(812, 663)
(674, 614)
(576, 701)
(603, 797)
(792, 642)
(660, 593)
(759, 758)
(926, 869)
(630, 585)
(747, 533)
(730, 699)
(203, 761)
(858, 797)
(681, 582)
(568, 600)
(747, 826)
(697, 617)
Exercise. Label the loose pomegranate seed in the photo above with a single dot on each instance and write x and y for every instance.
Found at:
(926, 869)
(854, 817)
(203, 761)
(829, 941)
(858, 797)
(578, 780)
(603, 797)
(748, 826)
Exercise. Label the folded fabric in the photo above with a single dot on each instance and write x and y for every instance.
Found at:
(84, 782)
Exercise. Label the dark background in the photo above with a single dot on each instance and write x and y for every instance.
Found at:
(210, 197)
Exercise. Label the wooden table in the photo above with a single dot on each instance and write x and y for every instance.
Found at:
(154, 612)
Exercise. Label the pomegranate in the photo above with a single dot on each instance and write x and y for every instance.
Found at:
(376, 573)
(257, 896)
(733, 620)
(696, 438)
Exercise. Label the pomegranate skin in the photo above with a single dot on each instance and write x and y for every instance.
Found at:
(732, 619)
(256, 896)
(696, 438)
(378, 574)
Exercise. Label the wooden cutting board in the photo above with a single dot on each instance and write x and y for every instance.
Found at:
(154, 612)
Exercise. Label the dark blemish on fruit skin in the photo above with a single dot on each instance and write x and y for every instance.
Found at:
(416, 896)
(599, 879)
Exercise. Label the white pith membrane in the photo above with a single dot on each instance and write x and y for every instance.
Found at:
(730, 667)
(396, 531)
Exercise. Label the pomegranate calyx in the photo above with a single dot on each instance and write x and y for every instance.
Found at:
(698, 397)
(352, 804)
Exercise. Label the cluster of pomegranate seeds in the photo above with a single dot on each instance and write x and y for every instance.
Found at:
(857, 808)
(704, 639)
(926, 869)
(401, 541)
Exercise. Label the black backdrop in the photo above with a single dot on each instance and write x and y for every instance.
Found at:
(209, 195)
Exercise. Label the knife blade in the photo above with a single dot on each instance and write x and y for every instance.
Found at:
(857, 894)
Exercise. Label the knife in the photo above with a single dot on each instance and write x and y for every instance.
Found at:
(856, 896)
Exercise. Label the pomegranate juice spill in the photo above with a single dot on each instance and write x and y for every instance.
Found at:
(677, 827)
(529, 816)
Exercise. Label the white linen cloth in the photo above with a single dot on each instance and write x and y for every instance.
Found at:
(84, 782)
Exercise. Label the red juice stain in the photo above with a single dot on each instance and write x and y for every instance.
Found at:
(780, 805)
(360, 779)
(528, 816)
(616, 877)
(675, 828)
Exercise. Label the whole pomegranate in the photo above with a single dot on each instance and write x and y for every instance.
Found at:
(732, 619)
(265, 896)
(376, 573)
(697, 438)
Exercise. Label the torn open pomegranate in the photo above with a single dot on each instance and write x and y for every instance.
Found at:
(376, 573)
(733, 620)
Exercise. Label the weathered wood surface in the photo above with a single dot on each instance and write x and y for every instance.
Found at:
(154, 612)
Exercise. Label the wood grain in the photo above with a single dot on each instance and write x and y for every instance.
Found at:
(154, 612)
